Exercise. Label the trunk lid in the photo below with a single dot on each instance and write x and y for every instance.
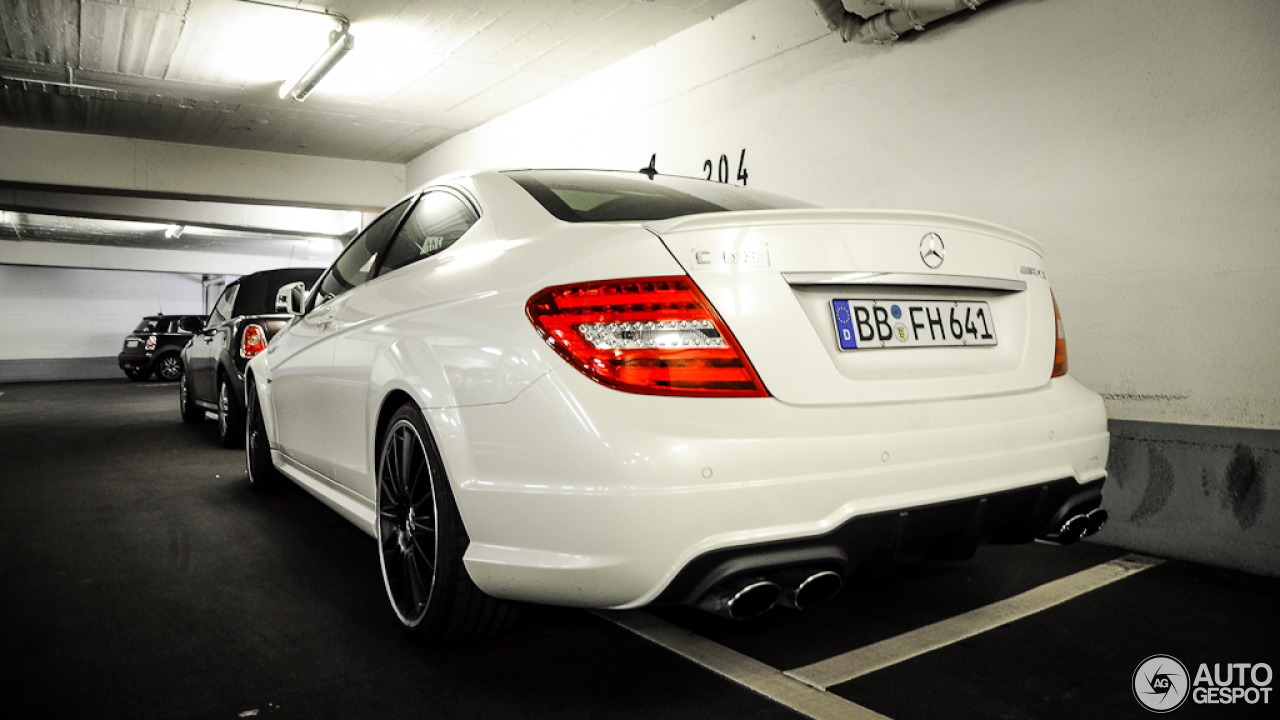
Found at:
(779, 279)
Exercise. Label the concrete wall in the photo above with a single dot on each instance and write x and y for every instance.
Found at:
(64, 323)
(1196, 492)
(1139, 141)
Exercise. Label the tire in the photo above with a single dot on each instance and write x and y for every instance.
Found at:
(263, 475)
(230, 415)
(137, 375)
(186, 406)
(421, 541)
(168, 367)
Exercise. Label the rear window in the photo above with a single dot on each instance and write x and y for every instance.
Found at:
(151, 325)
(603, 196)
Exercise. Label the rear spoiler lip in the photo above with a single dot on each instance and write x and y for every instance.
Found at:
(904, 279)
(766, 218)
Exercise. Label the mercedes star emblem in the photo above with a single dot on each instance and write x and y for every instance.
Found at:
(932, 251)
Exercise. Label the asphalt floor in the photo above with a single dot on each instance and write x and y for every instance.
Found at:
(142, 578)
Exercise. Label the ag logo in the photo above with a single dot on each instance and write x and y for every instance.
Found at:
(1160, 683)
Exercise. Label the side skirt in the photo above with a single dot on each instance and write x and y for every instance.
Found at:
(346, 503)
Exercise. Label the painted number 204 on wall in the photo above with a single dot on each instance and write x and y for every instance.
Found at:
(867, 324)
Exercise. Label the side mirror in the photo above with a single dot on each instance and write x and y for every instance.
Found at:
(289, 298)
(191, 324)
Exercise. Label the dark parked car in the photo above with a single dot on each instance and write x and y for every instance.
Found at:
(154, 345)
(247, 315)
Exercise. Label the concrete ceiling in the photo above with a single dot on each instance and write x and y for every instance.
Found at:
(207, 72)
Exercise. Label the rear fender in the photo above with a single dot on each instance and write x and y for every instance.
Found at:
(408, 369)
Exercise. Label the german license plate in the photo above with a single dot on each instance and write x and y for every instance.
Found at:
(868, 324)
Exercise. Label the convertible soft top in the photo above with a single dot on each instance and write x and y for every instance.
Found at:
(257, 295)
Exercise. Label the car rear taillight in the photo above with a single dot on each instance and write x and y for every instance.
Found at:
(1060, 348)
(151, 343)
(254, 341)
(654, 336)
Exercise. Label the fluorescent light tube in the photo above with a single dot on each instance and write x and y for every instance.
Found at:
(341, 43)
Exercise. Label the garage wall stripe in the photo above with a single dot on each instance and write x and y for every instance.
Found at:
(856, 663)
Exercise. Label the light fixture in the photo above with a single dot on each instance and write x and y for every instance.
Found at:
(341, 42)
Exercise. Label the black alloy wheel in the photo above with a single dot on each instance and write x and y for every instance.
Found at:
(263, 475)
(169, 367)
(230, 415)
(421, 541)
(186, 406)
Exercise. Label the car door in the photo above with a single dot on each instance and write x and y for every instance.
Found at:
(437, 221)
(301, 356)
(202, 358)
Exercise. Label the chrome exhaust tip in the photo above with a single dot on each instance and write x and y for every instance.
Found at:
(1097, 519)
(741, 598)
(1072, 530)
(803, 588)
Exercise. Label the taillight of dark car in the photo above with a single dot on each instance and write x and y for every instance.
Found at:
(254, 340)
(1060, 347)
(654, 336)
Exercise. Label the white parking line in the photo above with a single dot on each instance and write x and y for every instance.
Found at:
(805, 689)
(753, 674)
(856, 663)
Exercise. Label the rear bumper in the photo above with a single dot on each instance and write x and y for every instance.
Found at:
(881, 541)
(135, 361)
(574, 494)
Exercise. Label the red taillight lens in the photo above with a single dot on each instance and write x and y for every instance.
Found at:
(655, 336)
(254, 341)
(1060, 348)
(151, 343)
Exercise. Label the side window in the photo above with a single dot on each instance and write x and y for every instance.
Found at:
(222, 308)
(437, 221)
(358, 260)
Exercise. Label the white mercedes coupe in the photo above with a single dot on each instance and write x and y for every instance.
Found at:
(609, 390)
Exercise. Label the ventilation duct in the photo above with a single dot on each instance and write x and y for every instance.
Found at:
(894, 18)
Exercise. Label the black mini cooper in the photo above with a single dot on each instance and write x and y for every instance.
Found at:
(154, 345)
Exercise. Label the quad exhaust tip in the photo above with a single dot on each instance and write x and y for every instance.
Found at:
(1097, 520)
(804, 588)
(741, 598)
(1078, 526)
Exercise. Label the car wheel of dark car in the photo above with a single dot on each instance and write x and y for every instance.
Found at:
(263, 475)
(186, 407)
(230, 415)
(421, 541)
(136, 374)
(168, 367)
